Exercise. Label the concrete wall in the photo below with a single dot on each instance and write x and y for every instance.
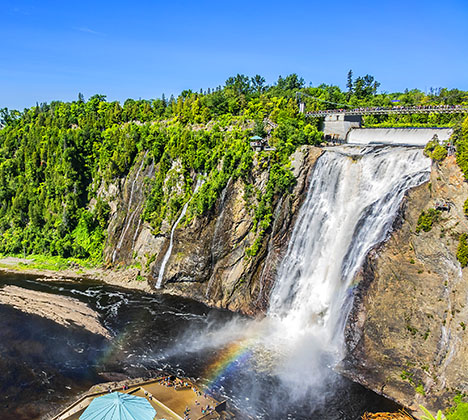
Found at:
(336, 126)
(347, 128)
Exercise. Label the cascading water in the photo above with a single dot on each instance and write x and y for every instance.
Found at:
(352, 201)
(168, 253)
(274, 368)
(129, 216)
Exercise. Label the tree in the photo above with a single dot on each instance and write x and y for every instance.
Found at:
(240, 84)
(365, 87)
(259, 128)
(349, 84)
(258, 83)
(7, 116)
(292, 82)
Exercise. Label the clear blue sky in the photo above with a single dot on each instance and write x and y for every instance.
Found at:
(55, 49)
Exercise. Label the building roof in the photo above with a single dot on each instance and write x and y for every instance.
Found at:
(118, 406)
(255, 138)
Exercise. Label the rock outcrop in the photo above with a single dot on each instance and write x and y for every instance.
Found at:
(208, 261)
(406, 336)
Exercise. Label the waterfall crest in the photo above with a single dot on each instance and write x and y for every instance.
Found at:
(402, 136)
(351, 203)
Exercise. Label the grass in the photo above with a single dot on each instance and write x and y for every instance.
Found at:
(46, 262)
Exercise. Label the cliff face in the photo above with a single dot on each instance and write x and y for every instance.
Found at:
(406, 336)
(208, 261)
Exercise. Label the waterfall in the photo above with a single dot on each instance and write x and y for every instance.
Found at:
(200, 182)
(353, 198)
(127, 222)
(351, 203)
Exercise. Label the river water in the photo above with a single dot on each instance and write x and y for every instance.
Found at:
(45, 365)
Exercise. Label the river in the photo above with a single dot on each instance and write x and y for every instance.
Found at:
(45, 365)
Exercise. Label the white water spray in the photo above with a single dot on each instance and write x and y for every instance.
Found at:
(200, 182)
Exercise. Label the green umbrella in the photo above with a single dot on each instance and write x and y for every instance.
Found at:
(118, 406)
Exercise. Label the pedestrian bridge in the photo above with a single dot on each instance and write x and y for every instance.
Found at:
(429, 109)
(344, 125)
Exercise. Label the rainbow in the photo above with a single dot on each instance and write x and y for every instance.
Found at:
(115, 344)
(227, 361)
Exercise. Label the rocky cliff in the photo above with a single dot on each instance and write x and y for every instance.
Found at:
(406, 336)
(208, 261)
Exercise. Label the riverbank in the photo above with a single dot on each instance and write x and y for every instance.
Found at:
(60, 269)
(63, 310)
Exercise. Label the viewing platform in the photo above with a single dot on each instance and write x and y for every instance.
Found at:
(172, 398)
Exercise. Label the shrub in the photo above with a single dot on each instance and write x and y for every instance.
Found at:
(427, 219)
(465, 207)
(439, 153)
(459, 411)
(462, 251)
(435, 151)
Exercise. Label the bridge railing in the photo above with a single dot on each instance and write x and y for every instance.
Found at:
(443, 109)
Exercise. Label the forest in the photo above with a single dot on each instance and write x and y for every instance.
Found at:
(56, 158)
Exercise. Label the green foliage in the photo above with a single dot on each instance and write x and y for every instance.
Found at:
(465, 207)
(439, 153)
(462, 251)
(407, 376)
(47, 262)
(427, 219)
(429, 416)
(420, 389)
(459, 411)
(435, 151)
(55, 159)
(461, 141)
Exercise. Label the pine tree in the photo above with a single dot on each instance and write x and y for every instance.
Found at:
(349, 84)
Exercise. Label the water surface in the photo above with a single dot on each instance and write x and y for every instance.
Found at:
(43, 364)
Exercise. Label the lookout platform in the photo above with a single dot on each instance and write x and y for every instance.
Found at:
(171, 397)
